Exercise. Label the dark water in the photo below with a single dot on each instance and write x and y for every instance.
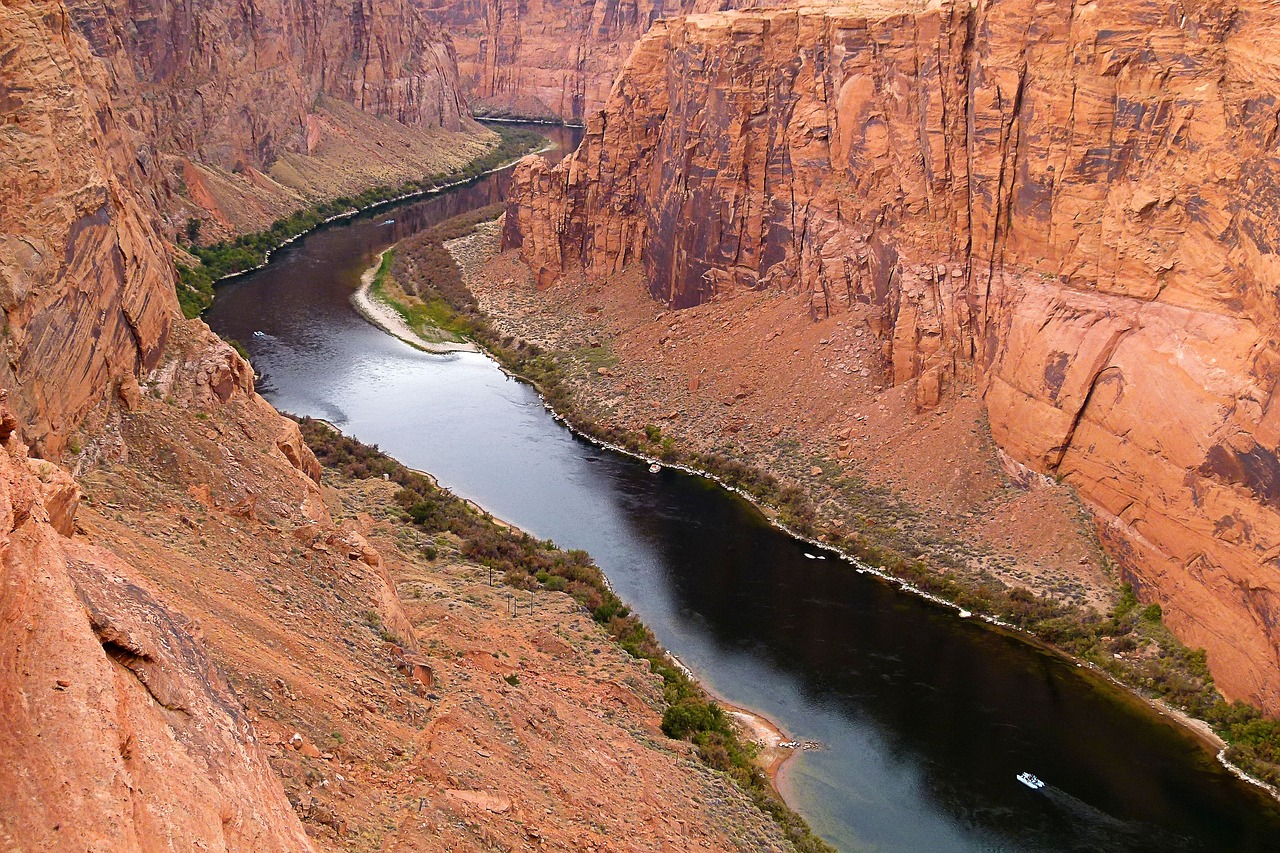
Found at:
(927, 717)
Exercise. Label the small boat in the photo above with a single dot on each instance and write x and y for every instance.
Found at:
(1031, 781)
(655, 468)
(810, 556)
(389, 222)
(259, 334)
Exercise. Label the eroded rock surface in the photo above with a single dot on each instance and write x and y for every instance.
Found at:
(244, 113)
(1070, 207)
(551, 59)
(548, 59)
(118, 730)
(85, 281)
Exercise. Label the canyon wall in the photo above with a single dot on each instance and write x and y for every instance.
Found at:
(243, 113)
(548, 59)
(1068, 206)
(120, 732)
(117, 730)
(86, 282)
(551, 59)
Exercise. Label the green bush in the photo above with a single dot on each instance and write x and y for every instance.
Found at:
(529, 563)
(692, 715)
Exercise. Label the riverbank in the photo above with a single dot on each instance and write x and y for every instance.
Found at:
(607, 364)
(387, 318)
(776, 749)
(201, 266)
(529, 565)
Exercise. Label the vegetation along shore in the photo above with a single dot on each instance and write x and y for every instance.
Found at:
(1127, 643)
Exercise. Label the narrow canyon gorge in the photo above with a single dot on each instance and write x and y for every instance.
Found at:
(1031, 241)
(205, 647)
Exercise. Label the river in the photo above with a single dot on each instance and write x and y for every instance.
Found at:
(925, 718)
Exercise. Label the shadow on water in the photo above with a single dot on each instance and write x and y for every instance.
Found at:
(925, 718)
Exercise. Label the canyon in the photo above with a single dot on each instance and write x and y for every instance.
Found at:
(197, 630)
(1062, 208)
(1046, 218)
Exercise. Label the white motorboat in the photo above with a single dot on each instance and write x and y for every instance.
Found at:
(1031, 781)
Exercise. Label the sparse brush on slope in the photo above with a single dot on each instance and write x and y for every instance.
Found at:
(529, 563)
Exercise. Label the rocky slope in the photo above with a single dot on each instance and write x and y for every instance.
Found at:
(1067, 207)
(119, 730)
(243, 113)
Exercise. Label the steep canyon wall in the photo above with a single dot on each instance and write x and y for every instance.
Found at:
(241, 114)
(1068, 205)
(86, 282)
(551, 59)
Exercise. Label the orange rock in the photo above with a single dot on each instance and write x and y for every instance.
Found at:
(479, 799)
(1091, 253)
(290, 443)
(118, 729)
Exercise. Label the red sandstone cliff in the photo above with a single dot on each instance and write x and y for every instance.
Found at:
(550, 59)
(85, 280)
(119, 732)
(243, 113)
(1070, 206)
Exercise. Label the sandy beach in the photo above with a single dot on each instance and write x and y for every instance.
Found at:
(760, 729)
(386, 318)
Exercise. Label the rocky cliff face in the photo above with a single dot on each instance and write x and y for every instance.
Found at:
(85, 281)
(273, 105)
(120, 733)
(551, 59)
(1068, 206)
(548, 59)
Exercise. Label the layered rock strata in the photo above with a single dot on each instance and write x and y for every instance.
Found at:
(551, 59)
(545, 60)
(1068, 206)
(85, 280)
(269, 106)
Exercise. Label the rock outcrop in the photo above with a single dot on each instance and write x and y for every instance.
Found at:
(268, 106)
(1067, 206)
(118, 731)
(85, 281)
